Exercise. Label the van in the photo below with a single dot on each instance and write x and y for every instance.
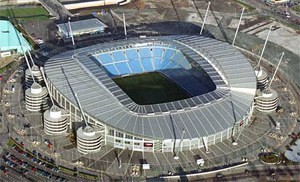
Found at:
(12, 88)
(219, 175)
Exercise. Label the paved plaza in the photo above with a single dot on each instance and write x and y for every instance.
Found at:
(259, 135)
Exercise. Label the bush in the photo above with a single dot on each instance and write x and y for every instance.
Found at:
(269, 158)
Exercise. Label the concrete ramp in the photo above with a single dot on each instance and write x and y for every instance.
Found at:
(56, 9)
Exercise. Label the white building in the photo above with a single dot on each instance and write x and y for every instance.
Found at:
(81, 28)
(11, 41)
(70, 5)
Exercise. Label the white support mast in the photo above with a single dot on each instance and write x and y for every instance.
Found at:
(237, 138)
(27, 62)
(46, 83)
(176, 157)
(32, 62)
(124, 24)
(203, 23)
(238, 27)
(234, 142)
(26, 58)
(276, 70)
(263, 50)
(205, 142)
(71, 32)
(76, 97)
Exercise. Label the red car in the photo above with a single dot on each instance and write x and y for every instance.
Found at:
(5, 171)
(33, 169)
(20, 152)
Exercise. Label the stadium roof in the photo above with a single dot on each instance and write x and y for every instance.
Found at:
(82, 26)
(203, 115)
(11, 38)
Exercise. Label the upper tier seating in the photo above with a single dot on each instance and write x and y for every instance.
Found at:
(139, 60)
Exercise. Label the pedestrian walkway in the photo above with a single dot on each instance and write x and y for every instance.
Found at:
(56, 9)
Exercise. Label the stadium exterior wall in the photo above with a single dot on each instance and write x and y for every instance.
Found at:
(119, 139)
(222, 115)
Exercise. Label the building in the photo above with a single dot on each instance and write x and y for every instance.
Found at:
(81, 28)
(198, 121)
(12, 42)
(277, 1)
(88, 140)
(70, 5)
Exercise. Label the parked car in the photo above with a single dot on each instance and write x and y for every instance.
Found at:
(25, 164)
(12, 88)
(24, 171)
(219, 175)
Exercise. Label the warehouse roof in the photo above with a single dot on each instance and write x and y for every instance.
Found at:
(11, 39)
(82, 26)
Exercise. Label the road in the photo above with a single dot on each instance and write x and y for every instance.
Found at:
(258, 172)
(263, 175)
(274, 11)
(56, 9)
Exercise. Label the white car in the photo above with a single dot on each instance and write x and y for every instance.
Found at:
(39, 41)
(44, 53)
(12, 80)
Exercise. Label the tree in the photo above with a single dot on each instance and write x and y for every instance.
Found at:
(140, 4)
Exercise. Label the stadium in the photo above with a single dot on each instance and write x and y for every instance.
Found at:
(208, 91)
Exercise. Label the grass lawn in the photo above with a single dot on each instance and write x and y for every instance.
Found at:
(296, 9)
(247, 6)
(26, 14)
(10, 143)
(7, 66)
(150, 88)
(269, 158)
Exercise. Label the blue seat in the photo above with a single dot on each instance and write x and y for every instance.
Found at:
(118, 56)
(144, 59)
(156, 63)
(105, 58)
(185, 64)
(111, 69)
(131, 54)
(147, 64)
(135, 66)
(145, 52)
(168, 54)
(123, 68)
(177, 56)
(193, 85)
(163, 64)
(157, 52)
(172, 65)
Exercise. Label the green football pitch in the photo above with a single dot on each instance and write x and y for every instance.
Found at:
(26, 13)
(150, 88)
